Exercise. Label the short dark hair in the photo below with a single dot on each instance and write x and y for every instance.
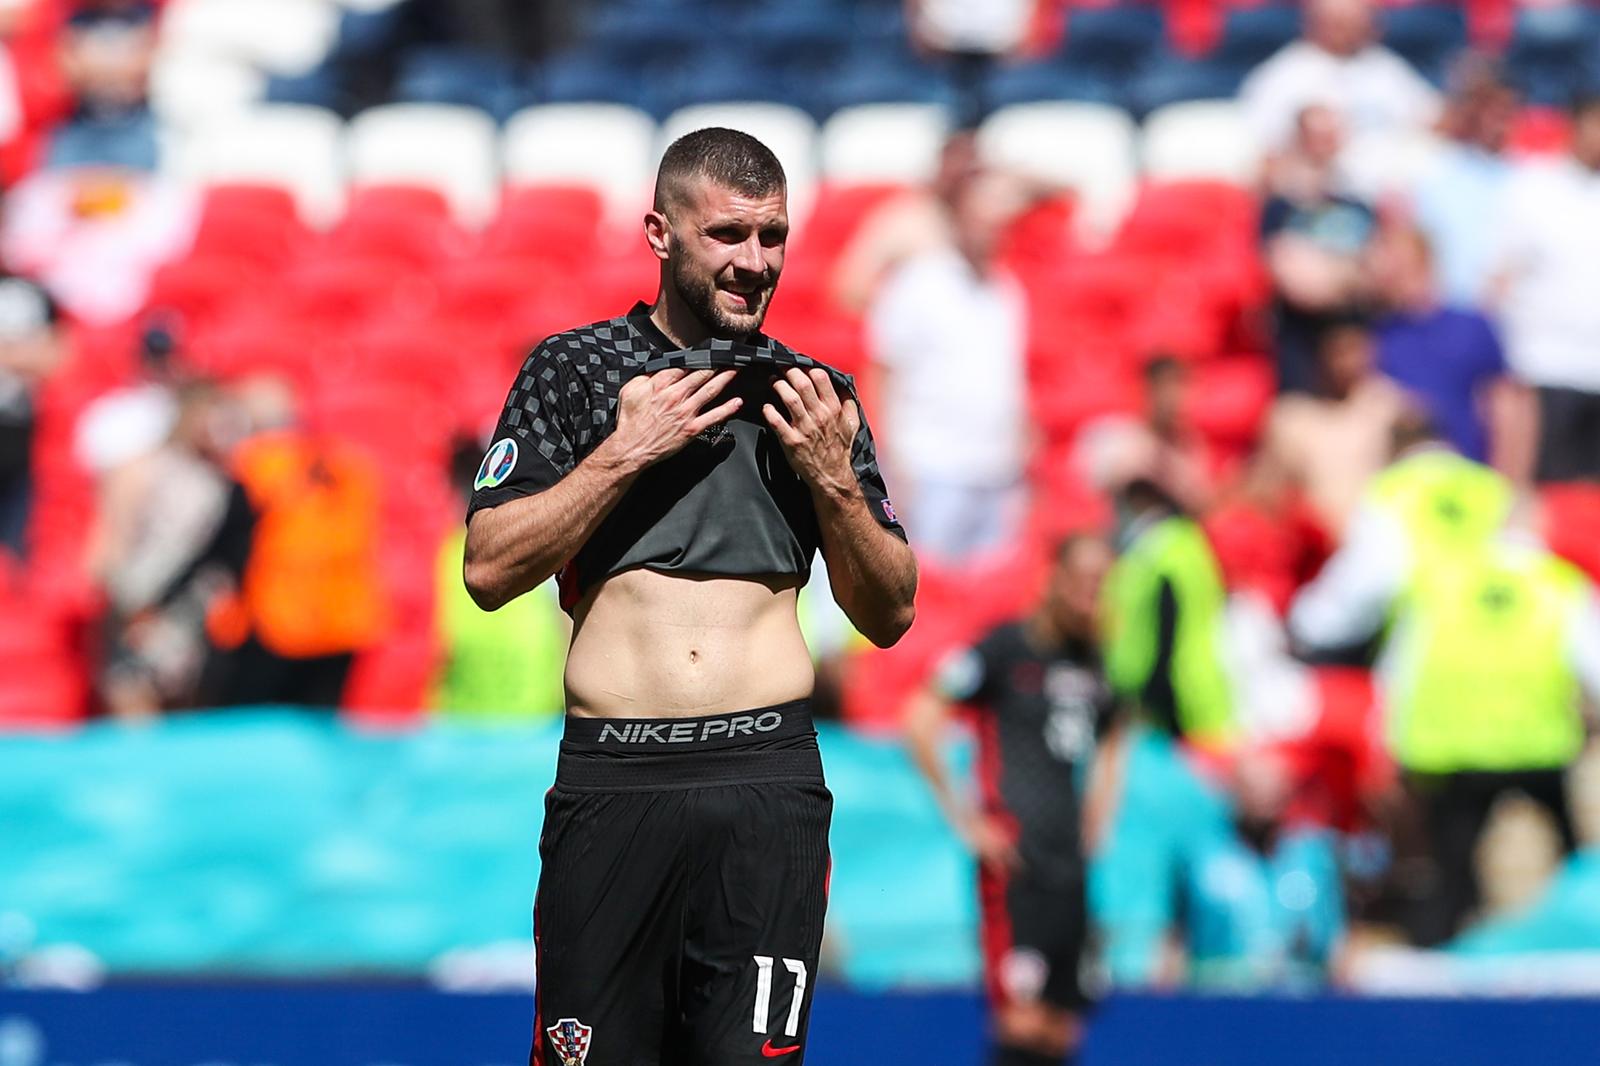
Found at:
(728, 157)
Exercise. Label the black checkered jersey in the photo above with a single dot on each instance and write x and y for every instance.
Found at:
(728, 503)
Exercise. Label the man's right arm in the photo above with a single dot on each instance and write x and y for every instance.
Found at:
(513, 547)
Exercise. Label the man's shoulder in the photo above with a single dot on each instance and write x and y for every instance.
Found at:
(592, 346)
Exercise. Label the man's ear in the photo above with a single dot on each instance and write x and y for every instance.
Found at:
(658, 231)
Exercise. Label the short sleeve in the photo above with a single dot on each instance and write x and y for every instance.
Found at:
(864, 458)
(962, 676)
(532, 447)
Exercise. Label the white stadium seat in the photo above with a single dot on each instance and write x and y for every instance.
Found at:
(883, 143)
(788, 131)
(451, 149)
(1206, 139)
(280, 36)
(1087, 147)
(608, 147)
(295, 147)
(188, 89)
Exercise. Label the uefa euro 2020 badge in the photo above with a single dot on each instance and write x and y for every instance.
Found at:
(570, 1037)
(497, 464)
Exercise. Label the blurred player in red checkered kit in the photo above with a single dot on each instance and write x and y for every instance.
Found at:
(678, 470)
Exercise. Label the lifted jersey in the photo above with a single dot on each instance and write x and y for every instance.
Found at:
(1039, 714)
(727, 503)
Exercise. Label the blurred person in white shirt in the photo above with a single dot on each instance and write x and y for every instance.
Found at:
(1546, 288)
(1338, 62)
(948, 336)
(974, 35)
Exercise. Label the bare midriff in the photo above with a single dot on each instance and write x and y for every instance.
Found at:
(657, 644)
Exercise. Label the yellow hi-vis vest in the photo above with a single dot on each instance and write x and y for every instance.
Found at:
(1479, 674)
(1174, 550)
(1444, 502)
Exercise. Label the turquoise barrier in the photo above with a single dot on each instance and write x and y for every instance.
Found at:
(274, 843)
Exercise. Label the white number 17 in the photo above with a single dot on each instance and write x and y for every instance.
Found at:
(763, 1011)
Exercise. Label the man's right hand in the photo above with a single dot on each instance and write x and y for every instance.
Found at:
(658, 413)
(991, 844)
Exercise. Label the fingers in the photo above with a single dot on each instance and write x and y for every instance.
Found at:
(710, 388)
(662, 379)
(815, 389)
(686, 382)
(799, 415)
(721, 413)
(786, 433)
(852, 417)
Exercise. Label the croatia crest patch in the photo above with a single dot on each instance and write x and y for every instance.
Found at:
(570, 1038)
(497, 464)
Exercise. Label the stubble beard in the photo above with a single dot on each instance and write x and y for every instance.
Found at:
(699, 295)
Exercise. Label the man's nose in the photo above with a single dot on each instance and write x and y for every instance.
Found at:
(748, 256)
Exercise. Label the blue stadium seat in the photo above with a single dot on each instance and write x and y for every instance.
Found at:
(1169, 78)
(708, 77)
(1047, 81)
(899, 80)
(1111, 41)
(1554, 54)
(445, 75)
(632, 36)
(588, 73)
(1426, 35)
(1251, 34)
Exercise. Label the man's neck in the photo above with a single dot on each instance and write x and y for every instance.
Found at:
(680, 325)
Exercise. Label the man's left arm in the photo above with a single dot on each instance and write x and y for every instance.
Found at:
(872, 572)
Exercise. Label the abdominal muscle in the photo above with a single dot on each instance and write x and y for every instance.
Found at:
(657, 644)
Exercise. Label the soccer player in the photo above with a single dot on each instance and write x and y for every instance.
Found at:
(679, 470)
(1041, 702)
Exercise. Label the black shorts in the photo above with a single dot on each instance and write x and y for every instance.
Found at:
(681, 897)
(1034, 937)
(1569, 435)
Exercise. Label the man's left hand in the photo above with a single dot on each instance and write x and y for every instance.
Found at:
(819, 432)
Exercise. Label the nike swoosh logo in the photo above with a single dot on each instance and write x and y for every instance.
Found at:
(774, 1052)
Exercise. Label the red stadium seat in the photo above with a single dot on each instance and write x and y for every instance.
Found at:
(335, 294)
(1228, 400)
(1571, 524)
(254, 222)
(406, 224)
(560, 222)
(206, 287)
(836, 214)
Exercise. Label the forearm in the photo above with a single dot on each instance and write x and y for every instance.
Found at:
(925, 725)
(872, 572)
(516, 546)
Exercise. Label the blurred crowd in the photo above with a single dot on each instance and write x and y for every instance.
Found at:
(1348, 415)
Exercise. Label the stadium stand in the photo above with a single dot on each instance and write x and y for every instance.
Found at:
(402, 257)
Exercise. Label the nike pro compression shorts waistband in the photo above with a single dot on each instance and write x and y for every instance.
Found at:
(766, 744)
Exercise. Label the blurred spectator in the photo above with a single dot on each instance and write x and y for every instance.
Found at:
(1337, 63)
(1313, 237)
(974, 37)
(1549, 275)
(904, 226)
(1492, 643)
(507, 663)
(1162, 444)
(1448, 358)
(310, 596)
(948, 333)
(94, 236)
(1040, 694)
(1467, 180)
(171, 535)
(1333, 443)
(127, 423)
(1267, 540)
(1262, 905)
(30, 350)
(1164, 619)
(105, 55)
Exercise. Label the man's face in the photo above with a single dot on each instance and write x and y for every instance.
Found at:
(1074, 590)
(725, 252)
